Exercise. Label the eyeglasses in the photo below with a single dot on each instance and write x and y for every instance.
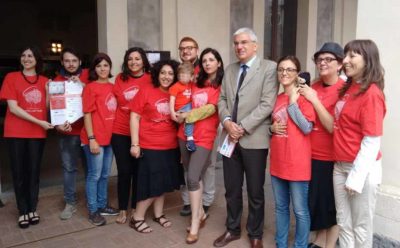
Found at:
(188, 48)
(327, 60)
(288, 70)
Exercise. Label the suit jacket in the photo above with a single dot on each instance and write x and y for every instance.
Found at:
(257, 97)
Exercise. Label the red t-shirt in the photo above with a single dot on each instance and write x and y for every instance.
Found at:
(356, 117)
(31, 98)
(321, 139)
(98, 99)
(204, 130)
(77, 125)
(290, 157)
(157, 131)
(125, 91)
(182, 93)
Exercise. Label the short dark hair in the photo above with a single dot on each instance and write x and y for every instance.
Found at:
(291, 58)
(155, 70)
(202, 78)
(69, 50)
(125, 69)
(38, 57)
(96, 60)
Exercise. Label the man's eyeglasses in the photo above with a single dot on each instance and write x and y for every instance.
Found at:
(188, 48)
(327, 60)
(288, 70)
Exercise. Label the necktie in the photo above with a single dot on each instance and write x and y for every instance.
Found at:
(236, 103)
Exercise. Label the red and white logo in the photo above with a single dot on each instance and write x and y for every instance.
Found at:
(32, 95)
(111, 102)
(339, 106)
(130, 93)
(162, 106)
(200, 99)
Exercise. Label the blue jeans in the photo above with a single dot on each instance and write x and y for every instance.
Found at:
(70, 149)
(98, 169)
(188, 126)
(298, 192)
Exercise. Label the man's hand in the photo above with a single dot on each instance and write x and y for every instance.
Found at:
(234, 130)
(66, 127)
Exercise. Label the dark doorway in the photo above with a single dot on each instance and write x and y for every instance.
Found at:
(280, 28)
(73, 23)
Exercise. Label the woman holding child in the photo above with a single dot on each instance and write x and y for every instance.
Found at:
(204, 94)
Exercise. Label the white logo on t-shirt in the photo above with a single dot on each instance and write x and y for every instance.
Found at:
(111, 102)
(130, 92)
(200, 99)
(32, 95)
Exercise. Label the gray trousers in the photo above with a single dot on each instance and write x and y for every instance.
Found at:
(208, 179)
(355, 213)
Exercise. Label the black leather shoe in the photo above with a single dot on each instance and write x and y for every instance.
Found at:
(256, 243)
(225, 239)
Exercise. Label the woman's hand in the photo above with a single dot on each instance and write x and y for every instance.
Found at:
(174, 116)
(94, 146)
(66, 127)
(278, 128)
(181, 116)
(294, 95)
(309, 93)
(45, 125)
(135, 151)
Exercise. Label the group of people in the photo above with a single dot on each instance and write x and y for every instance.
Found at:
(323, 140)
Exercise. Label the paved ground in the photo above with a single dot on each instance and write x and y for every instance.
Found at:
(78, 232)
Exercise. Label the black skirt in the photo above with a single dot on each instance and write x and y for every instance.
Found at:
(159, 171)
(321, 197)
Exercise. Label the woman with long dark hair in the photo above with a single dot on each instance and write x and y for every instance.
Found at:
(134, 77)
(25, 131)
(358, 128)
(205, 94)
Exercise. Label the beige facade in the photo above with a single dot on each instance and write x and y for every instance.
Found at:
(209, 22)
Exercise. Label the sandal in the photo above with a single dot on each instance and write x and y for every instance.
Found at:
(136, 224)
(34, 218)
(165, 223)
(23, 221)
(202, 222)
(121, 219)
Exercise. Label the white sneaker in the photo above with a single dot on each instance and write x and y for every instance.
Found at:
(68, 211)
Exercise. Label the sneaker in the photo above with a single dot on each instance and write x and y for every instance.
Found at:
(96, 219)
(206, 209)
(108, 211)
(185, 211)
(68, 211)
(190, 146)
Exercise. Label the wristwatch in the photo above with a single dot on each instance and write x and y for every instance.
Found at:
(91, 137)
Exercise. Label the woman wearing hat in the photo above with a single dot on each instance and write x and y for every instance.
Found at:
(323, 94)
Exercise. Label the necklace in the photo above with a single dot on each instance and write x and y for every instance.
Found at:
(26, 79)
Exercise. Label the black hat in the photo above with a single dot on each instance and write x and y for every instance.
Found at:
(331, 47)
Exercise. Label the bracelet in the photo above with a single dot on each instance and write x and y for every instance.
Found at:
(135, 145)
(91, 137)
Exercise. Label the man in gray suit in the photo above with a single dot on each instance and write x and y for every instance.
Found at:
(247, 98)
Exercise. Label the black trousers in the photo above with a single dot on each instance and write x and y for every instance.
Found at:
(127, 170)
(25, 159)
(250, 163)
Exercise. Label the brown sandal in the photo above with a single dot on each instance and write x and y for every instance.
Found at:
(202, 222)
(136, 224)
(164, 223)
